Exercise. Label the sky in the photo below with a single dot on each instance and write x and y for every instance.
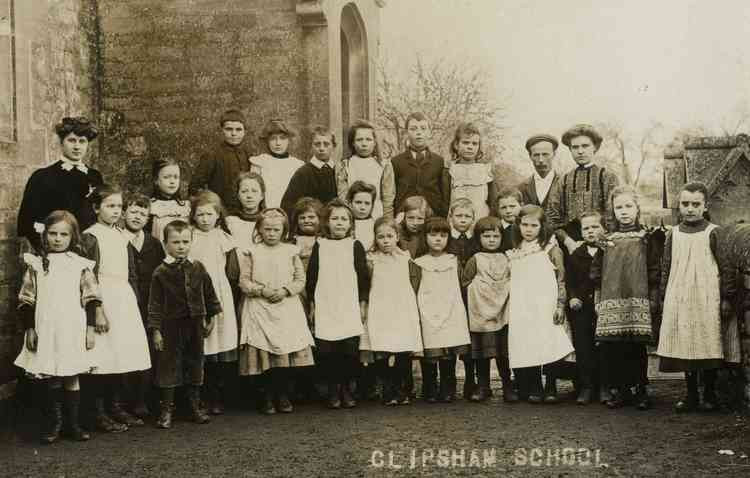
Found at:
(557, 63)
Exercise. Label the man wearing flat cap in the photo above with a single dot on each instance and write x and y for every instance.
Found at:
(542, 149)
(585, 188)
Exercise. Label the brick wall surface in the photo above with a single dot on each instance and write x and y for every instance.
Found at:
(54, 78)
(170, 68)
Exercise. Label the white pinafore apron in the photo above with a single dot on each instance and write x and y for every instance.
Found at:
(124, 347)
(210, 249)
(442, 312)
(533, 338)
(392, 314)
(691, 320)
(337, 314)
(59, 319)
(279, 328)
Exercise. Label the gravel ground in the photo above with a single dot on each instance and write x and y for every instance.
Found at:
(458, 439)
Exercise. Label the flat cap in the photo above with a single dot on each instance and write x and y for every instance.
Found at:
(538, 138)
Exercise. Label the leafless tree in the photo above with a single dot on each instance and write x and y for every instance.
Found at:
(447, 93)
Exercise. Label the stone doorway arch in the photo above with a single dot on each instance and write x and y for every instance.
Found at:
(354, 69)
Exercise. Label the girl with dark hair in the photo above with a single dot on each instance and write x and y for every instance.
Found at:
(124, 347)
(166, 203)
(536, 333)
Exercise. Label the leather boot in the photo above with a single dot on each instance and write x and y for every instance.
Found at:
(469, 378)
(166, 404)
(550, 390)
(72, 407)
(197, 414)
(119, 414)
(334, 402)
(509, 393)
(104, 423)
(52, 413)
(142, 389)
(483, 377)
(447, 381)
(429, 379)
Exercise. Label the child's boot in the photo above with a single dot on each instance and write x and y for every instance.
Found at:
(509, 393)
(281, 386)
(52, 412)
(334, 400)
(447, 381)
(104, 422)
(166, 404)
(469, 378)
(142, 388)
(217, 397)
(709, 391)
(690, 402)
(347, 399)
(429, 379)
(119, 414)
(642, 400)
(72, 407)
(550, 389)
(197, 413)
(483, 378)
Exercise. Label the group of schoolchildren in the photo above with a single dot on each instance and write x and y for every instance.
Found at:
(342, 273)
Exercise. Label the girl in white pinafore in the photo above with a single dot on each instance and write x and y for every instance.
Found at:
(215, 249)
(536, 335)
(58, 299)
(392, 323)
(337, 287)
(693, 338)
(274, 328)
(124, 348)
(275, 165)
(445, 331)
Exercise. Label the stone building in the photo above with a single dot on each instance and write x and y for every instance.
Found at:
(155, 76)
(723, 164)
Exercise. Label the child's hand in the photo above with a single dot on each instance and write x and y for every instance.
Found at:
(559, 316)
(276, 295)
(90, 337)
(158, 341)
(575, 303)
(208, 325)
(32, 339)
(102, 324)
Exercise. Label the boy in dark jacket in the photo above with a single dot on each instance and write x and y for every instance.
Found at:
(182, 311)
(418, 171)
(219, 166)
(147, 253)
(581, 303)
